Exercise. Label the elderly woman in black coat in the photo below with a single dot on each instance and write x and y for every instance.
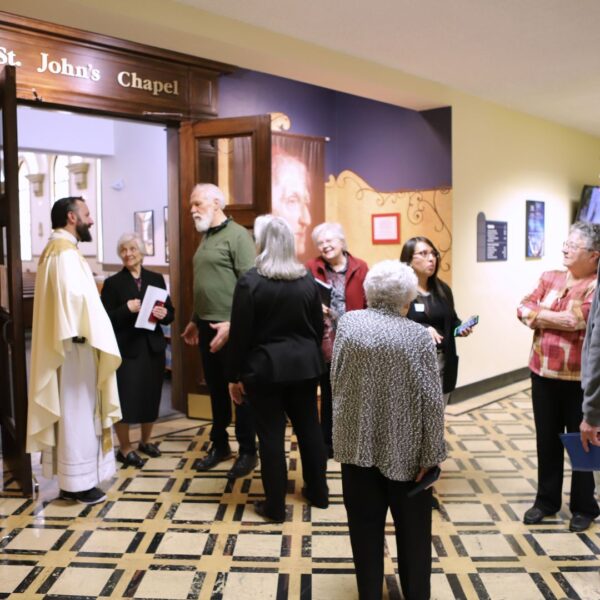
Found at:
(388, 429)
(140, 376)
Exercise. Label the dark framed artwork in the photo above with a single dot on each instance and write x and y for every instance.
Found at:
(534, 228)
(143, 225)
(166, 220)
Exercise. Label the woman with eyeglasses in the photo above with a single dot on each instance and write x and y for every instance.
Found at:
(434, 307)
(345, 274)
(557, 311)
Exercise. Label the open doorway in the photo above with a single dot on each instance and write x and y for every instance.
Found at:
(120, 167)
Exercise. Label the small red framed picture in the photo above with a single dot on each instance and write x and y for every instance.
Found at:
(385, 228)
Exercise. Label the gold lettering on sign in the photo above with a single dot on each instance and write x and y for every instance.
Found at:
(128, 79)
(64, 67)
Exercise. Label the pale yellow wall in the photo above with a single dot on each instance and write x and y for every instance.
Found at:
(500, 157)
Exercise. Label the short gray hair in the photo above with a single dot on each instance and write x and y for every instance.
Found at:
(211, 192)
(131, 237)
(390, 284)
(276, 249)
(334, 229)
(589, 231)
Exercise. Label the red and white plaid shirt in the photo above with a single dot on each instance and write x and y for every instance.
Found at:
(555, 353)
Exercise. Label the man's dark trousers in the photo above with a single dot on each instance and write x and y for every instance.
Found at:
(214, 365)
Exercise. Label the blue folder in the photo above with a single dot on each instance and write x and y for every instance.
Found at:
(580, 459)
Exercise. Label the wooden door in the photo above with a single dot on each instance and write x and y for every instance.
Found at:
(235, 154)
(13, 378)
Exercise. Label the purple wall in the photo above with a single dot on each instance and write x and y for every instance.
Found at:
(391, 148)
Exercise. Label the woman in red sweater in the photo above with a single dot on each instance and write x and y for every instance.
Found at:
(344, 275)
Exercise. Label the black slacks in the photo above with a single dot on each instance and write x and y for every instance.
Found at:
(556, 409)
(220, 402)
(367, 496)
(327, 409)
(271, 403)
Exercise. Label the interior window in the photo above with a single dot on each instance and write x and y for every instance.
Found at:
(25, 210)
(60, 176)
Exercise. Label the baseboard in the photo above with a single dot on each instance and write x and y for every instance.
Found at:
(471, 390)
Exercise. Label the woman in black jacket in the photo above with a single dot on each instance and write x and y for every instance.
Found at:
(275, 363)
(434, 307)
(140, 376)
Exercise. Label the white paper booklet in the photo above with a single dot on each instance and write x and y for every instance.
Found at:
(151, 297)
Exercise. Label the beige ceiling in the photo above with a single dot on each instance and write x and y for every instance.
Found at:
(538, 56)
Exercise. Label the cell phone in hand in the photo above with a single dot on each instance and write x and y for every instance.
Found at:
(470, 322)
(152, 318)
(426, 482)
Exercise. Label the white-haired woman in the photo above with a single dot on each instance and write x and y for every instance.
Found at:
(557, 310)
(140, 376)
(275, 363)
(345, 274)
(388, 429)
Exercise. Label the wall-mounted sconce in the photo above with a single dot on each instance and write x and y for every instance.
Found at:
(37, 183)
(79, 172)
(118, 185)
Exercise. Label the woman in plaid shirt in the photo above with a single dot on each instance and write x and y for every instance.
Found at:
(557, 311)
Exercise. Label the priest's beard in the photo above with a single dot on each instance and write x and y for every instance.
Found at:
(83, 231)
(202, 223)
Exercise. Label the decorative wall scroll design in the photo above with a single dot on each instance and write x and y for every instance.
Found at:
(352, 202)
(280, 122)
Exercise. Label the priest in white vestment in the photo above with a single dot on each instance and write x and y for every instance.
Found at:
(73, 397)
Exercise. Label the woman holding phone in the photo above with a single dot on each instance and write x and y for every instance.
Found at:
(434, 307)
(140, 376)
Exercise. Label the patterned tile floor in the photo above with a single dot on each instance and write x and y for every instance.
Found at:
(167, 532)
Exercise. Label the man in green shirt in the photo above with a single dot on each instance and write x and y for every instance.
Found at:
(225, 252)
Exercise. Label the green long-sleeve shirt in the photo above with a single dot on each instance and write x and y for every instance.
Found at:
(223, 255)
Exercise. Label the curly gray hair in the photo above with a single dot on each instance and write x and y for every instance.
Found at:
(589, 231)
(333, 229)
(391, 285)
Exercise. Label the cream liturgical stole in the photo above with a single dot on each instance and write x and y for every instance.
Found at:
(67, 305)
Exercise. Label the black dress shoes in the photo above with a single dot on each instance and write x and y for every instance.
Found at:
(243, 465)
(92, 496)
(149, 449)
(212, 459)
(534, 515)
(579, 522)
(318, 502)
(133, 459)
(259, 508)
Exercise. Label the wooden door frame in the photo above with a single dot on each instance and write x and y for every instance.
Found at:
(15, 458)
(259, 127)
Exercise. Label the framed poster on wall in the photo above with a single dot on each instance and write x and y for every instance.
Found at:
(534, 228)
(385, 228)
(143, 225)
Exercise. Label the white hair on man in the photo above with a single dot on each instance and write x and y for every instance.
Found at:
(211, 192)
(327, 229)
(131, 237)
(390, 285)
(276, 249)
